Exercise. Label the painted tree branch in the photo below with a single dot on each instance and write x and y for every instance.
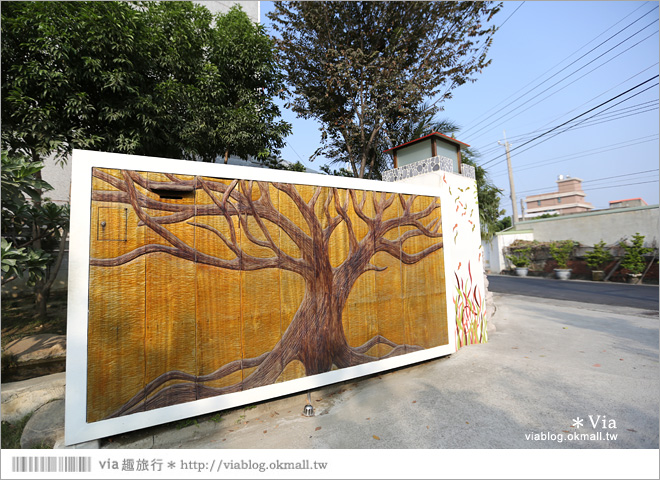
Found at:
(315, 336)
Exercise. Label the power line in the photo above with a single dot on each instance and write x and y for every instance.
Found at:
(595, 120)
(577, 116)
(582, 154)
(572, 126)
(618, 117)
(294, 151)
(507, 18)
(593, 180)
(568, 76)
(562, 61)
(572, 63)
(624, 185)
(637, 107)
(620, 176)
(601, 94)
(614, 186)
(525, 136)
(589, 118)
(571, 83)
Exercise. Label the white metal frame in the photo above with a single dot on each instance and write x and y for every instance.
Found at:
(77, 429)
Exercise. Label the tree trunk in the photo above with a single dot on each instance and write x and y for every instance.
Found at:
(323, 341)
(42, 289)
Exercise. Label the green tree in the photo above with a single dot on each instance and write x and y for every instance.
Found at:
(503, 224)
(599, 257)
(150, 78)
(281, 164)
(633, 260)
(562, 251)
(34, 229)
(358, 67)
(488, 196)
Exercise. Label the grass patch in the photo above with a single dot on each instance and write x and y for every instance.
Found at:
(18, 317)
(11, 432)
(186, 423)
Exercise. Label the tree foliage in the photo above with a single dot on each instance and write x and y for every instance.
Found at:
(503, 224)
(361, 67)
(562, 251)
(633, 260)
(405, 130)
(33, 229)
(149, 78)
(488, 196)
(599, 257)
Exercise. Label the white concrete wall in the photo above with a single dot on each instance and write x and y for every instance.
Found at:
(59, 177)
(251, 8)
(495, 261)
(611, 226)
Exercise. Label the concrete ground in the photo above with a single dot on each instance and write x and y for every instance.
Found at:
(549, 367)
(552, 371)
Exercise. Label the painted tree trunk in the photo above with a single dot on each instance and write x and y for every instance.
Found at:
(246, 220)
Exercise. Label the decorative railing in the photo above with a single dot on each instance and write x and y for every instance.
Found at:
(468, 171)
(429, 165)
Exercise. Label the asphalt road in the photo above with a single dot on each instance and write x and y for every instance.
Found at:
(616, 294)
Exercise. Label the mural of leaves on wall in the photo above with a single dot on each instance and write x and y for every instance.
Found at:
(238, 227)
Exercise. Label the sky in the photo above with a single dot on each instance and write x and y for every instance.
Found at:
(551, 62)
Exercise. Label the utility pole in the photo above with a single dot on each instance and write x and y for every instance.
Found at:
(514, 216)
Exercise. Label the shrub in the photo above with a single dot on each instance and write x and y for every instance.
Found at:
(599, 257)
(561, 252)
(633, 260)
(520, 258)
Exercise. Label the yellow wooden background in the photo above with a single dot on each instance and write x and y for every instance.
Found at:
(160, 313)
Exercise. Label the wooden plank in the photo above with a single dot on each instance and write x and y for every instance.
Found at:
(218, 304)
(292, 285)
(116, 312)
(360, 316)
(170, 307)
(260, 289)
(425, 312)
(389, 288)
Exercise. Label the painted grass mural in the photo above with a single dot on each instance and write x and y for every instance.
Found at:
(203, 286)
(470, 310)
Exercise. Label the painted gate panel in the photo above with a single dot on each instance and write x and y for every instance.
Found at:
(204, 287)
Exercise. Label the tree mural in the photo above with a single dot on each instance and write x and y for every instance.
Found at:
(315, 336)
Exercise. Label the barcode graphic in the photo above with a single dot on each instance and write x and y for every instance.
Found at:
(51, 464)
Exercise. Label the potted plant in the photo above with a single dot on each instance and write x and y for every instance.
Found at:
(521, 261)
(597, 259)
(633, 260)
(561, 252)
